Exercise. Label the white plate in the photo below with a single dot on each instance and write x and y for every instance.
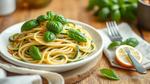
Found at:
(4, 36)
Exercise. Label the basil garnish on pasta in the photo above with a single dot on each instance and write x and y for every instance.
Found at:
(42, 18)
(29, 25)
(51, 39)
(76, 35)
(49, 36)
(54, 26)
(35, 53)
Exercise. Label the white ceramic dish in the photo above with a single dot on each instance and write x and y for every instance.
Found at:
(4, 36)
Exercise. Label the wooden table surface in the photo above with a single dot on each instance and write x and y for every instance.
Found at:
(76, 9)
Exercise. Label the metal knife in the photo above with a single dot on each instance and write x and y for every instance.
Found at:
(139, 68)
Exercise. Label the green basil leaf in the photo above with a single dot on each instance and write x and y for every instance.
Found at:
(123, 9)
(108, 73)
(42, 18)
(54, 26)
(115, 1)
(76, 35)
(133, 1)
(35, 53)
(114, 44)
(104, 3)
(50, 15)
(60, 18)
(49, 36)
(121, 2)
(115, 7)
(91, 4)
(131, 41)
(29, 25)
(116, 15)
(119, 9)
(104, 13)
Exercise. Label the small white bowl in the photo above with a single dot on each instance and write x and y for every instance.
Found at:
(4, 36)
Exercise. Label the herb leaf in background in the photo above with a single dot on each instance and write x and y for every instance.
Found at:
(116, 15)
(104, 13)
(118, 9)
(109, 73)
(91, 4)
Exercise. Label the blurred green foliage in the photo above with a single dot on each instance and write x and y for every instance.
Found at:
(114, 9)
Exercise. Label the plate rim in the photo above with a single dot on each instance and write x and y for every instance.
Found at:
(20, 63)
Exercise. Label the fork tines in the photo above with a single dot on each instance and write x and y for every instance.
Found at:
(113, 31)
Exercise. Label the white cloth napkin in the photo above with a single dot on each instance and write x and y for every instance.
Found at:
(26, 79)
(33, 77)
(126, 32)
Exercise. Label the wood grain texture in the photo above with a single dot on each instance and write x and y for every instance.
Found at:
(78, 74)
(76, 9)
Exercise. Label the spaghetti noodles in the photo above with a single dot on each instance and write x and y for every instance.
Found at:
(61, 50)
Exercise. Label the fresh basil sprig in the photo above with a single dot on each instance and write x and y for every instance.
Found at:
(54, 21)
(130, 41)
(54, 24)
(76, 35)
(114, 9)
(109, 73)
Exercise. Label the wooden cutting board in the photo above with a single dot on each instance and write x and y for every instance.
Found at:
(82, 72)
